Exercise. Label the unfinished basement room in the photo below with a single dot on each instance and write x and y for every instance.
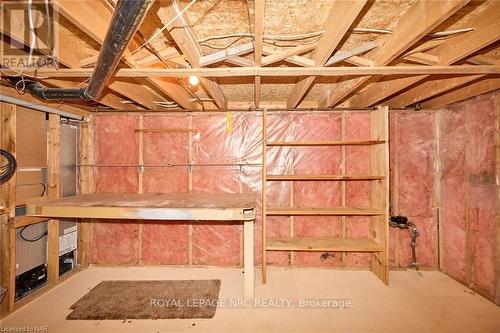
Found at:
(250, 166)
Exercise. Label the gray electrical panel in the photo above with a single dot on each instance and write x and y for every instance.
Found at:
(32, 250)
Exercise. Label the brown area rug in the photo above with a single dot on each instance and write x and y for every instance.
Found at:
(170, 299)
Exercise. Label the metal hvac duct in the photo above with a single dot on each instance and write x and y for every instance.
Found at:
(127, 18)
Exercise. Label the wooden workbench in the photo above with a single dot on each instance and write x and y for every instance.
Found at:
(159, 207)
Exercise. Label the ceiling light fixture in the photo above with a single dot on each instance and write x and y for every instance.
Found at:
(194, 80)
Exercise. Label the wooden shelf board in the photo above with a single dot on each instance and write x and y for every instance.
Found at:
(338, 211)
(323, 244)
(324, 177)
(148, 206)
(325, 143)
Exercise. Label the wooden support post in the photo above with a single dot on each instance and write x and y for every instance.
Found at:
(7, 231)
(8, 257)
(437, 188)
(85, 179)
(291, 200)
(53, 188)
(140, 175)
(379, 161)
(395, 181)
(343, 164)
(248, 264)
(496, 105)
(190, 187)
(264, 200)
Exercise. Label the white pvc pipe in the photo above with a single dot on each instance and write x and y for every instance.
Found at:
(33, 106)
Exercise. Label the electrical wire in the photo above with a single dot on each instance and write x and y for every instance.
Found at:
(7, 170)
(36, 239)
(44, 186)
(31, 240)
(268, 39)
(273, 39)
(448, 33)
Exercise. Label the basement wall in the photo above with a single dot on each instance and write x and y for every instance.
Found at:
(469, 216)
(226, 151)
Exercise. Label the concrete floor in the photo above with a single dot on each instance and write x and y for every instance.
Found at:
(434, 303)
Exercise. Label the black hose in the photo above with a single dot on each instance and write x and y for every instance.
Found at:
(32, 240)
(7, 170)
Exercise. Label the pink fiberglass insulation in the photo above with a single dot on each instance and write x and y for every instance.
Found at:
(115, 243)
(279, 162)
(482, 226)
(115, 151)
(117, 141)
(480, 157)
(116, 154)
(357, 161)
(416, 185)
(316, 160)
(214, 146)
(453, 192)
(252, 183)
(216, 243)
(468, 188)
(221, 142)
(165, 158)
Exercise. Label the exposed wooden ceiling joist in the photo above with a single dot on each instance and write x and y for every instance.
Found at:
(485, 33)
(409, 29)
(240, 61)
(359, 61)
(268, 71)
(185, 40)
(167, 66)
(422, 58)
(169, 54)
(460, 94)
(343, 13)
(343, 55)
(294, 59)
(226, 54)
(282, 55)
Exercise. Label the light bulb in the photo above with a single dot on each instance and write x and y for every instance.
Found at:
(193, 80)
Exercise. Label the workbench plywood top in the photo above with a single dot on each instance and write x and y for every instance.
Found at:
(154, 200)
(150, 206)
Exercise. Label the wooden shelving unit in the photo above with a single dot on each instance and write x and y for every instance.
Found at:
(377, 244)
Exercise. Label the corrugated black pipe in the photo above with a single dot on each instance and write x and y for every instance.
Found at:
(127, 18)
